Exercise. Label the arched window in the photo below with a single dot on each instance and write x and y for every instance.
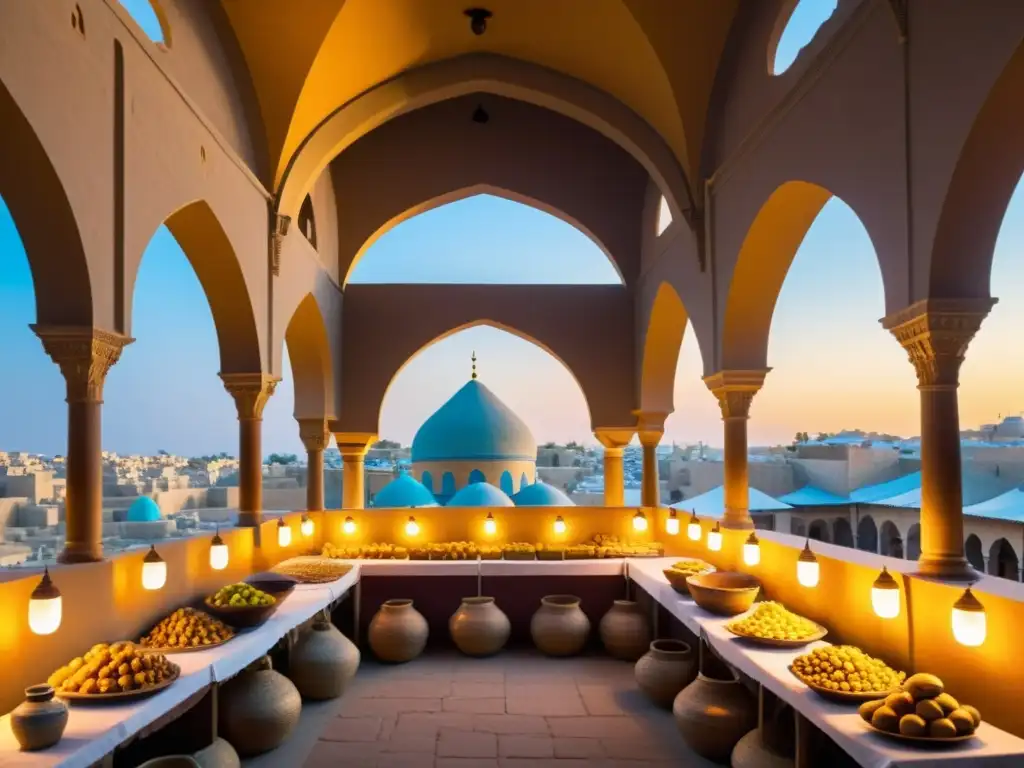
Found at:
(476, 476)
(523, 481)
(796, 30)
(307, 223)
(506, 483)
(151, 20)
(428, 481)
(448, 484)
(664, 216)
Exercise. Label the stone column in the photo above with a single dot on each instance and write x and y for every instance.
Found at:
(315, 438)
(936, 333)
(650, 428)
(614, 441)
(251, 392)
(735, 390)
(84, 356)
(353, 447)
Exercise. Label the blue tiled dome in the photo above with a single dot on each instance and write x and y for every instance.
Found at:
(404, 491)
(541, 494)
(480, 495)
(143, 510)
(474, 424)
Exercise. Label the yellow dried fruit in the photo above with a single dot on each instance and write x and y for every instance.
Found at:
(867, 709)
(941, 729)
(900, 702)
(962, 721)
(884, 719)
(928, 710)
(912, 725)
(923, 686)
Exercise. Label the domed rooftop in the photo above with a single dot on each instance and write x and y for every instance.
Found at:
(143, 510)
(404, 491)
(474, 425)
(540, 494)
(480, 495)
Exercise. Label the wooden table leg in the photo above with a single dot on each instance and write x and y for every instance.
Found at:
(803, 741)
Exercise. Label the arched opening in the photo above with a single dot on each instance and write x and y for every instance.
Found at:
(1002, 561)
(867, 535)
(428, 481)
(890, 540)
(797, 26)
(524, 481)
(309, 354)
(797, 526)
(973, 551)
(506, 483)
(843, 533)
(664, 216)
(914, 542)
(151, 19)
(662, 344)
(447, 485)
(819, 531)
(307, 222)
(476, 476)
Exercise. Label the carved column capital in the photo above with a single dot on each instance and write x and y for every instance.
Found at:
(614, 438)
(353, 445)
(84, 356)
(735, 390)
(314, 434)
(650, 426)
(250, 391)
(935, 333)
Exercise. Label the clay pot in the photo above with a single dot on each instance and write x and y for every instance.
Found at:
(258, 709)
(171, 761)
(559, 627)
(322, 661)
(479, 627)
(39, 721)
(713, 715)
(220, 754)
(751, 752)
(625, 631)
(667, 668)
(724, 593)
(398, 632)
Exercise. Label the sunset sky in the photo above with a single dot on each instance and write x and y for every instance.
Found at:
(834, 366)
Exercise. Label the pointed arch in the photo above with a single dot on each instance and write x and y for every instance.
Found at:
(1003, 561)
(447, 485)
(662, 343)
(867, 535)
(890, 541)
(309, 350)
(973, 552)
(819, 531)
(476, 476)
(523, 481)
(506, 483)
(914, 542)
(428, 481)
(842, 532)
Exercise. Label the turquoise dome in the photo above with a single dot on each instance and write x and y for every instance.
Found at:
(474, 425)
(143, 510)
(480, 495)
(404, 491)
(541, 494)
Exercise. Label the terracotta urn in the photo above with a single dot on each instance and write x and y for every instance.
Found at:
(714, 714)
(625, 631)
(398, 632)
(220, 754)
(479, 627)
(171, 761)
(259, 708)
(559, 627)
(667, 668)
(323, 661)
(39, 721)
(752, 752)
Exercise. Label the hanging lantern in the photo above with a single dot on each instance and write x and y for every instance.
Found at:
(218, 553)
(44, 606)
(639, 521)
(885, 596)
(284, 533)
(306, 526)
(154, 570)
(412, 528)
(349, 526)
(752, 550)
(672, 524)
(490, 525)
(559, 525)
(693, 531)
(969, 623)
(807, 569)
(715, 538)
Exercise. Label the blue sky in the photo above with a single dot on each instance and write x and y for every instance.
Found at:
(165, 392)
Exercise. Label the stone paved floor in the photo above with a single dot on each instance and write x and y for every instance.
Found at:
(517, 709)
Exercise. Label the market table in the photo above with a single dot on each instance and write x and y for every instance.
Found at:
(769, 667)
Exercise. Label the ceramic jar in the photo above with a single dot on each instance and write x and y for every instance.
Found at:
(220, 754)
(171, 761)
(322, 661)
(667, 668)
(258, 709)
(479, 627)
(39, 721)
(625, 631)
(398, 632)
(559, 627)
(752, 752)
(713, 715)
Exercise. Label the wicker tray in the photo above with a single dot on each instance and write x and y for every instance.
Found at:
(921, 741)
(845, 697)
(545, 554)
(818, 634)
(519, 555)
(122, 696)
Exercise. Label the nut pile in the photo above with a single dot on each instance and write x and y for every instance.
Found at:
(108, 669)
(772, 621)
(847, 669)
(187, 628)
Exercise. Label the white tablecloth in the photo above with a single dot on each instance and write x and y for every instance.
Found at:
(992, 748)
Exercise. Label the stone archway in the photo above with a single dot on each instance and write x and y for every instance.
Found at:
(310, 353)
(797, 526)
(842, 532)
(867, 535)
(890, 541)
(914, 542)
(974, 554)
(818, 531)
(662, 343)
(1003, 561)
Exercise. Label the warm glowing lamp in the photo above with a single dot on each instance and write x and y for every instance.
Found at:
(154, 570)
(306, 527)
(412, 528)
(969, 626)
(44, 607)
(752, 550)
(490, 525)
(639, 521)
(807, 569)
(218, 553)
(885, 596)
(349, 526)
(284, 533)
(559, 525)
(693, 528)
(672, 524)
(715, 538)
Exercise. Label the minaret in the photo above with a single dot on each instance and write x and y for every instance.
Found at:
(473, 358)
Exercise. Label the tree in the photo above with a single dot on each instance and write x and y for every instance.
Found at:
(801, 437)
(282, 458)
(387, 445)
(162, 452)
(572, 445)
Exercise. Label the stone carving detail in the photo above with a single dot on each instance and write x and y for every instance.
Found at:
(935, 333)
(353, 445)
(251, 392)
(735, 391)
(84, 356)
(314, 434)
(279, 228)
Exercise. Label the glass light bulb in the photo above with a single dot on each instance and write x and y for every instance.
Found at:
(751, 553)
(349, 526)
(306, 527)
(715, 541)
(672, 526)
(885, 596)
(154, 575)
(639, 522)
(693, 531)
(807, 573)
(219, 556)
(490, 526)
(969, 622)
(559, 525)
(44, 615)
(412, 528)
(284, 535)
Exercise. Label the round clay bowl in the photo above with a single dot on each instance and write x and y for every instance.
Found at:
(724, 593)
(277, 584)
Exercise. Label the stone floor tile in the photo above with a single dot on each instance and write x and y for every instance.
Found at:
(329, 754)
(596, 727)
(452, 742)
(429, 723)
(477, 690)
(540, 704)
(465, 762)
(473, 674)
(514, 745)
(531, 762)
(407, 760)
(579, 748)
(385, 707)
(603, 699)
(474, 706)
(352, 729)
(410, 688)
(510, 724)
(403, 742)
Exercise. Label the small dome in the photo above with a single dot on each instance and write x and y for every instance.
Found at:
(404, 491)
(540, 494)
(143, 510)
(480, 495)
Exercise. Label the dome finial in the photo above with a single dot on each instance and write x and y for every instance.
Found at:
(473, 358)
